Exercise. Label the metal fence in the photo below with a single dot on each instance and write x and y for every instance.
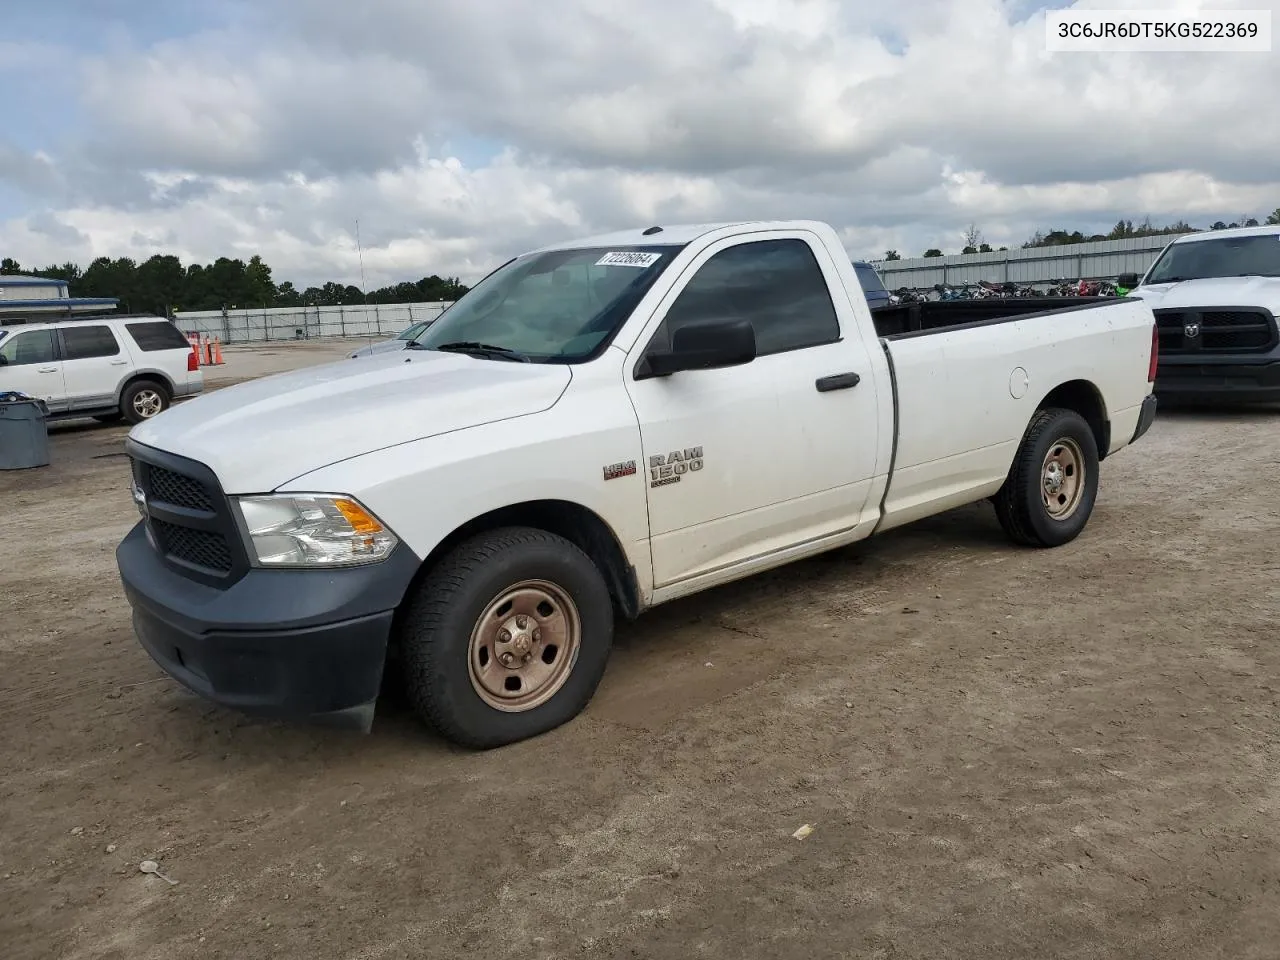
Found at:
(307, 323)
(1035, 266)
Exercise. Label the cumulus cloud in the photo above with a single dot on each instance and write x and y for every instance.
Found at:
(273, 131)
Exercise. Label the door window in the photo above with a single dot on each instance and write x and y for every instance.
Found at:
(775, 284)
(83, 343)
(34, 346)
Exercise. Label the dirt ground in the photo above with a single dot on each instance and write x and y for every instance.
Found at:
(1001, 752)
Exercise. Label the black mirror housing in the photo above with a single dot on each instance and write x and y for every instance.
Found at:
(706, 346)
(1129, 280)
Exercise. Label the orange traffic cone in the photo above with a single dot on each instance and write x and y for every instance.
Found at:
(205, 357)
(217, 350)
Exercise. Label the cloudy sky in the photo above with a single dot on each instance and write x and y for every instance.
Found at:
(461, 131)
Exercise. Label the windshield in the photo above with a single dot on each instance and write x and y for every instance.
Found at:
(1225, 257)
(561, 306)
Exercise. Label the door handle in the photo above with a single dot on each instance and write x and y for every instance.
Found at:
(118, 363)
(46, 369)
(837, 381)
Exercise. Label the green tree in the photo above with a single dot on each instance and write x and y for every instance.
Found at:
(260, 290)
(933, 252)
(1273, 217)
(892, 255)
(163, 284)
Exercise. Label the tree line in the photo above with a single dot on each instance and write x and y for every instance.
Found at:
(163, 285)
(1123, 230)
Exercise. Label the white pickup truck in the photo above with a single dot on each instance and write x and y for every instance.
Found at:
(597, 427)
(1216, 296)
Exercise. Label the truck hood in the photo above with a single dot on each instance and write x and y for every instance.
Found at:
(1213, 292)
(258, 435)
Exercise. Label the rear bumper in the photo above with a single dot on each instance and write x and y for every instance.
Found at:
(1146, 417)
(189, 389)
(305, 644)
(1229, 380)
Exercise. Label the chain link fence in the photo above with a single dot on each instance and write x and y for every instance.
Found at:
(382, 321)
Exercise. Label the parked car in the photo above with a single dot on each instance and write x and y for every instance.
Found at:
(1215, 296)
(102, 367)
(485, 502)
(399, 342)
(872, 285)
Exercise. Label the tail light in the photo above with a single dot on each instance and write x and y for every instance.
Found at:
(193, 361)
(1155, 354)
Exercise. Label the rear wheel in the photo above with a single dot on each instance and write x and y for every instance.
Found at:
(1049, 494)
(143, 399)
(507, 637)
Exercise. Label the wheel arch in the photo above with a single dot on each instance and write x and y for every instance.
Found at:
(578, 524)
(1083, 397)
(156, 375)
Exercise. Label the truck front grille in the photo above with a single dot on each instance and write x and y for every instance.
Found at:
(188, 516)
(1234, 330)
(204, 548)
(174, 488)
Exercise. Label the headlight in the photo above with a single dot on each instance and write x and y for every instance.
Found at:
(313, 530)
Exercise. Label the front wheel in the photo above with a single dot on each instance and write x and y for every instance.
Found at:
(507, 637)
(1049, 494)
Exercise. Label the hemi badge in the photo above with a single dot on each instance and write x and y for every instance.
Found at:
(616, 470)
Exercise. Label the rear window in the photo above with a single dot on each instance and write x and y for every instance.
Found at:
(867, 276)
(82, 343)
(157, 335)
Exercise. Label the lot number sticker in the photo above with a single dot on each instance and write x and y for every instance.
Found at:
(629, 258)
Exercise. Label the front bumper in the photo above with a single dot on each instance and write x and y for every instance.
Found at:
(1229, 380)
(298, 644)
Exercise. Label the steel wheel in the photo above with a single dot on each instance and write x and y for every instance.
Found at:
(524, 645)
(147, 403)
(1062, 478)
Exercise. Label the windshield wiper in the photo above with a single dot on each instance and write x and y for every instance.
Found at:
(482, 350)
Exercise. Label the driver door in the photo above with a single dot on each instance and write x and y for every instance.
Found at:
(744, 461)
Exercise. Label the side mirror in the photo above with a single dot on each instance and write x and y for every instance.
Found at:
(1129, 280)
(706, 346)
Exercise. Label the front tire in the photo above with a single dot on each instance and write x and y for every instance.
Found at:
(1051, 488)
(506, 638)
(143, 399)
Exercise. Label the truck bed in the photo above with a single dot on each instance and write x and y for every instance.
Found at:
(933, 316)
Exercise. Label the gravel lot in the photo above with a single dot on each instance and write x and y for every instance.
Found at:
(1001, 752)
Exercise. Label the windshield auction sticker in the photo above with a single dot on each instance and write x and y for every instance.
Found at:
(629, 258)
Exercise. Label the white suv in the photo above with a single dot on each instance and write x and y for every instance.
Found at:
(101, 367)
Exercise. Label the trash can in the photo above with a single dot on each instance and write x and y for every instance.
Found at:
(24, 436)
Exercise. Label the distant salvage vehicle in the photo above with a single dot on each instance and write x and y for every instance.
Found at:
(1216, 296)
(398, 342)
(106, 367)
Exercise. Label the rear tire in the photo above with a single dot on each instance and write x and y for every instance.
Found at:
(143, 399)
(506, 638)
(1051, 488)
